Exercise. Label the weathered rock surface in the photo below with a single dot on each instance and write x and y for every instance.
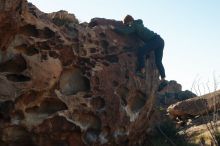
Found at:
(196, 106)
(70, 84)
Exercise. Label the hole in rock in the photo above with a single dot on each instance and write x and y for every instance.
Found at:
(49, 106)
(19, 8)
(18, 78)
(97, 80)
(56, 124)
(53, 54)
(76, 40)
(129, 55)
(27, 97)
(96, 43)
(90, 136)
(44, 56)
(127, 74)
(90, 41)
(45, 45)
(30, 30)
(53, 139)
(88, 95)
(27, 142)
(89, 35)
(115, 83)
(27, 50)
(97, 103)
(75, 139)
(15, 134)
(34, 109)
(87, 121)
(83, 104)
(72, 81)
(102, 35)
(35, 115)
(136, 101)
(48, 33)
(112, 58)
(105, 63)
(6, 107)
(16, 65)
(2, 143)
(84, 38)
(92, 50)
(54, 142)
(113, 49)
(5, 118)
(104, 44)
(122, 92)
(83, 52)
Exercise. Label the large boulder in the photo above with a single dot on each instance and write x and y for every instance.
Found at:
(196, 106)
(65, 83)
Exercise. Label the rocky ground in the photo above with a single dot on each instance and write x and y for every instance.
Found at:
(198, 118)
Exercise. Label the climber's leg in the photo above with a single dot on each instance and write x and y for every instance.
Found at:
(149, 46)
(158, 58)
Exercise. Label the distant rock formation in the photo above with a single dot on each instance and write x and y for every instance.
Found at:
(172, 93)
(196, 106)
(70, 84)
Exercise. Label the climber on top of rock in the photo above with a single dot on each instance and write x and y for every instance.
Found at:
(152, 42)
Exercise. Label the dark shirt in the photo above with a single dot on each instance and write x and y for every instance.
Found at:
(137, 27)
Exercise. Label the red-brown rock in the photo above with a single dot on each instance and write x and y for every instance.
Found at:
(66, 83)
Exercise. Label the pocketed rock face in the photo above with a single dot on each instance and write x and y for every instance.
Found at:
(70, 84)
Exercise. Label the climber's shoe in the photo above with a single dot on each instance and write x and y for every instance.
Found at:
(162, 85)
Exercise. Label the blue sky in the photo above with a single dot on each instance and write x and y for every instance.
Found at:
(190, 28)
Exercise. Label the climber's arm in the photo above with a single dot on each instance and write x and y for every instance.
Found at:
(125, 30)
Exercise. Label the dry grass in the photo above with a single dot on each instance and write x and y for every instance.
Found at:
(208, 132)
